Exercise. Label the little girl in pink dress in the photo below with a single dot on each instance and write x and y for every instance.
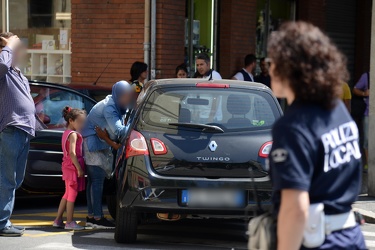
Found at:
(73, 167)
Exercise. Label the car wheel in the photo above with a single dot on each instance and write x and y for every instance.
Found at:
(126, 226)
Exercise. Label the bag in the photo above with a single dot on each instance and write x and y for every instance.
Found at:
(110, 184)
(314, 233)
(262, 230)
(106, 158)
(262, 233)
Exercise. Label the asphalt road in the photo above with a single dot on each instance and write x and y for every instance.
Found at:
(37, 215)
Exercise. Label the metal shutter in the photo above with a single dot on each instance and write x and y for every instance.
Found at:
(340, 26)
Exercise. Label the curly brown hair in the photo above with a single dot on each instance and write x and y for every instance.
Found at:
(309, 61)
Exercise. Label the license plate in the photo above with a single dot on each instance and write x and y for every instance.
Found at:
(213, 198)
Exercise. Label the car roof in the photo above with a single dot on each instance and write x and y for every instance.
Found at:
(76, 86)
(194, 81)
(61, 87)
(90, 87)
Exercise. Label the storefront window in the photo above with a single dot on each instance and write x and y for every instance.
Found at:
(44, 27)
(202, 38)
(277, 12)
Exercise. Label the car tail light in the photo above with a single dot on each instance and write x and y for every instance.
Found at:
(212, 85)
(265, 149)
(158, 147)
(136, 145)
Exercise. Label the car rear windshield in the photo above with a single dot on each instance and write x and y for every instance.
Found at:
(230, 109)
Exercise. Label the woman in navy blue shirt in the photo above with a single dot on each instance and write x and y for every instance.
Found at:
(315, 158)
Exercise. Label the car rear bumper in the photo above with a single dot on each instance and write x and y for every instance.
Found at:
(146, 191)
(167, 201)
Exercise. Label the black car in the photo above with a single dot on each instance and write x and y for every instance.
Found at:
(193, 148)
(43, 170)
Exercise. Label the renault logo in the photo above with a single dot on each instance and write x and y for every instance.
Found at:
(212, 146)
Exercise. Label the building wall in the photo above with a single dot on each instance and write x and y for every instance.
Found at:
(104, 31)
(363, 38)
(340, 25)
(170, 36)
(350, 30)
(236, 35)
(114, 30)
(312, 11)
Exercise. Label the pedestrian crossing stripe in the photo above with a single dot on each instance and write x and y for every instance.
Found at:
(368, 234)
(370, 243)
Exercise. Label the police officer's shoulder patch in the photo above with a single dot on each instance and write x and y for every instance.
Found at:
(279, 155)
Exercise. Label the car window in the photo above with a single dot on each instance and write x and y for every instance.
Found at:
(49, 103)
(99, 95)
(231, 109)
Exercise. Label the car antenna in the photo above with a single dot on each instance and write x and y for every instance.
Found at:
(96, 81)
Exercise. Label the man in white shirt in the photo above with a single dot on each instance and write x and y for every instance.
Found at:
(204, 68)
(204, 71)
(246, 74)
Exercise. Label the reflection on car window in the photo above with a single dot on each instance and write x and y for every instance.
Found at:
(231, 109)
(49, 103)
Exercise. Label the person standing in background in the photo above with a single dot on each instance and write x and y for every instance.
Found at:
(181, 71)
(346, 96)
(246, 74)
(204, 68)
(362, 90)
(18, 124)
(138, 73)
(264, 76)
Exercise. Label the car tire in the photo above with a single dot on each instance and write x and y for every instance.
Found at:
(126, 226)
(112, 205)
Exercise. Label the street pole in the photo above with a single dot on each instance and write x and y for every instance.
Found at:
(371, 149)
(153, 39)
(190, 44)
(146, 44)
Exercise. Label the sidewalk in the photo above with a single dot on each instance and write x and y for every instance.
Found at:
(365, 204)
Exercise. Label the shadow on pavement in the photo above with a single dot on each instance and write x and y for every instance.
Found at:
(187, 234)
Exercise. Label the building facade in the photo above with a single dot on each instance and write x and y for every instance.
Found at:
(78, 40)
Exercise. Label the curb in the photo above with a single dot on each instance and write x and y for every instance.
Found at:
(367, 215)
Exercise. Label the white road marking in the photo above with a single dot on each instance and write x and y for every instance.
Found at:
(368, 234)
(56, 246)
(370, 243)
(101, 235)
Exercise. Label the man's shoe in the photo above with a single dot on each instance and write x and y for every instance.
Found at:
(103, 223)
(11, 231)
(90, 221)
(19, 228)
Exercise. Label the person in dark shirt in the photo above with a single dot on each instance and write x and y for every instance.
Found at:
(264, 76)
(246, 73)
(315, 159)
